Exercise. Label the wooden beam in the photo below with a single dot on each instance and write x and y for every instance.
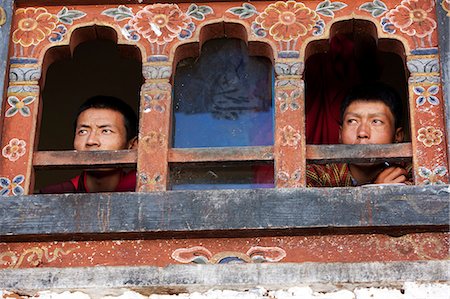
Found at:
(87, 159)
(314, 154)
(164, 214)
(336, 153)
(249, 153)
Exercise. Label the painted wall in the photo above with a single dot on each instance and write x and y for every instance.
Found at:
(408, 290)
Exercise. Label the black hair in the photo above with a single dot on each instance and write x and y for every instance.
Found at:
(375, 92)
(115, 104)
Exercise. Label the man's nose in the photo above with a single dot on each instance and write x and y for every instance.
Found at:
(92, 140)
(363, 131)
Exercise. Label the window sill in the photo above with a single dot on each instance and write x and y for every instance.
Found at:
(225, 213)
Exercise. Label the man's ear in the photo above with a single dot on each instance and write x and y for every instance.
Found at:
(399, 135)
(132, 143)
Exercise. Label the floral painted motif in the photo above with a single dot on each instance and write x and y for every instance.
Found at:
(287, 178)
(446, 6)
(2, 16)
(376, 8)
(433, 176)
(430, 136)
(149, 182)
(289, 101)
(14, 149)
(201, 255)
(287, 21)
(19, 106)
(7, 186)
(413, 17)
(327, 8)
(34, 25)
(155, 102)
(426, 95)
(244, 12)
(290, 136)
(160, 23)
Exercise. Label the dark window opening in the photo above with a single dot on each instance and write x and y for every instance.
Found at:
(353, 55)
(93, 64)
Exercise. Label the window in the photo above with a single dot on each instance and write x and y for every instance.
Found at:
(222, 99)
(97, 66)
(186, 136)
(353, 55)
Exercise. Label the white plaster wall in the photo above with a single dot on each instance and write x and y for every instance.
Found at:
(409, 290)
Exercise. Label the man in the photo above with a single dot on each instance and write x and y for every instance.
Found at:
(102, 123)
(370, 114)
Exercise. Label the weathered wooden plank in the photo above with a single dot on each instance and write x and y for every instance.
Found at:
(262, 153)
(200, 278)
(87, 159)
(314, 154)
(238, 211)
(358, 153)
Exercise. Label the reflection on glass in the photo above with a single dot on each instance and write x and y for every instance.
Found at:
(243, 175)
(223, 98)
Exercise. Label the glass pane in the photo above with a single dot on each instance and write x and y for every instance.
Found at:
(242, 175)
(223, 98)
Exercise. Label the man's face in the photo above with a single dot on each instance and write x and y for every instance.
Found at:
(100, 129)
(369, 122)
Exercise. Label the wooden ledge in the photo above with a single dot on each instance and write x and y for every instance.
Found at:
(199, 278)
(314, 154)
(228, 213)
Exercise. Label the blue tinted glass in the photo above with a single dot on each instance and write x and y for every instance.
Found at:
(243, 175)
(223, 98)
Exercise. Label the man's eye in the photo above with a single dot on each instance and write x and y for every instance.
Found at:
(377, 121)
(351, 121)
(106, 131)
(82, 132)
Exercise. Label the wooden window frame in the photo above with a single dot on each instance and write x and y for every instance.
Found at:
(288, 69)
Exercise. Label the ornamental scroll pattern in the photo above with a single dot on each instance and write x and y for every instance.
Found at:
(34, 257)
(201, 255)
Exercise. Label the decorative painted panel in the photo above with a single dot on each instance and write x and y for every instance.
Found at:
(443, 18)
(158, 29)
(281, 249)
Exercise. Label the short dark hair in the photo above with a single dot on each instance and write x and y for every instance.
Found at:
(375, 92)
(115, 104)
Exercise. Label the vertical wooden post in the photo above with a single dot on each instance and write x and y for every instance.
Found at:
(19, 130)
(290, 141)
(154, 127)
(428, 126)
